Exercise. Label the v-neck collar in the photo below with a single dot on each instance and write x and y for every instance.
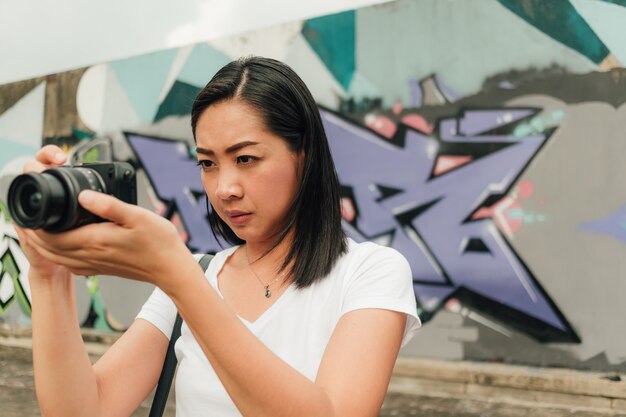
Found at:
(268, 313)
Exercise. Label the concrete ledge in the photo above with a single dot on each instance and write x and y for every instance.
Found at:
(499, 382)
(96, 342)
(540, 387)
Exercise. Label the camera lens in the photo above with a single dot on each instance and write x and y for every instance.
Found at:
(50, 200)
(31, 200)
(36, 200)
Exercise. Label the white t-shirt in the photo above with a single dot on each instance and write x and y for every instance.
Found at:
(297, 327)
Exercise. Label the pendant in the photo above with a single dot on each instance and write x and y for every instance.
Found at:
(267, 292)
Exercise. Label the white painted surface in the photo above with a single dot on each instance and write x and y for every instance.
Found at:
(43, 37)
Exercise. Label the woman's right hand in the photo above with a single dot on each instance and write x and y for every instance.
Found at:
(48, 157)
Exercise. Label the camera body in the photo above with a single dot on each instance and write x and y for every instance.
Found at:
(49, 200)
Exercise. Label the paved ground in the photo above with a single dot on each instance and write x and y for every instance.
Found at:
(17, 398)
(401, 405)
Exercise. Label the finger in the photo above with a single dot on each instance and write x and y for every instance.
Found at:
(72, 263)
(51, 155)
(19, 232)
(90, 236)
(69, 241)
(21, 236)
(33, 166)
(69, 249)
(81, 262)
(109, 207)
(34, 240)
(28, 241)
(84, 272)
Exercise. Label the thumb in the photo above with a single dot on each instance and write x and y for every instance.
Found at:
(107, 207)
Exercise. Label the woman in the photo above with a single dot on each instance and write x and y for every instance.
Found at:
(293, 320)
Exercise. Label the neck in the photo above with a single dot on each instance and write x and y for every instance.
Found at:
(257, 253)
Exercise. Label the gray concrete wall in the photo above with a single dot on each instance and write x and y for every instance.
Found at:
(483, 140)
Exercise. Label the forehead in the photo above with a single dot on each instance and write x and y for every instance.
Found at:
(229, 122)
(229, 114)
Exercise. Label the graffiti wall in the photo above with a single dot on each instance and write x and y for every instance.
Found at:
(483, 140)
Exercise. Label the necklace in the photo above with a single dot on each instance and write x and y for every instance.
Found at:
(268, 293)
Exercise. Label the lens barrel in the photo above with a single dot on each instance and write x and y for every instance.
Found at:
(49, 200)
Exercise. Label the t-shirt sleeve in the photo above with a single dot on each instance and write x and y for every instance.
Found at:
(382, 278)
(159, 310)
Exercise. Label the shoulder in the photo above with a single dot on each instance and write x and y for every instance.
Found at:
(217, 260)
(367, 253)
(371, 263)
(369, 248)
(223, 253)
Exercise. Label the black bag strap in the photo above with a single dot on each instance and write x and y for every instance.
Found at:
(169, 365)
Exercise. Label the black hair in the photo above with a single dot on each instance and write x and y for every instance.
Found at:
(289, 111)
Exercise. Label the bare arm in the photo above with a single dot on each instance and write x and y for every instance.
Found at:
(66, 383)
(130, 369)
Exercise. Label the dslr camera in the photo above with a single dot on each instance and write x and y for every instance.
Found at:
(49, 200)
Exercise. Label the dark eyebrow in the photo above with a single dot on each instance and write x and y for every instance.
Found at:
(231, 149)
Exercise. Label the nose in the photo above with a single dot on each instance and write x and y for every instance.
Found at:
(228, 185)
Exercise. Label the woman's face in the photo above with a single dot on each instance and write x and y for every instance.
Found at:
(249, 173)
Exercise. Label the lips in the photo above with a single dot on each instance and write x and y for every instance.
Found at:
(238, 216)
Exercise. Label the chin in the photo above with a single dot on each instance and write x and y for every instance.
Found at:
(244, 235)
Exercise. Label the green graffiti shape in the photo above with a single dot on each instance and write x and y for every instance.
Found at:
(4, 212)
(97, 317)
(10, 266)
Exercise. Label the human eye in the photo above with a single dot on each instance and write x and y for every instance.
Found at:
(246, 159)
(205, 164)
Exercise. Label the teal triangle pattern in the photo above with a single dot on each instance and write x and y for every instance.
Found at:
(202, 64)
(618, 2)
(178, 101)
(143, 79)
(561, 21)
(333, 40)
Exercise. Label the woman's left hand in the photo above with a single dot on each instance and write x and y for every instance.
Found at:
(135, 244)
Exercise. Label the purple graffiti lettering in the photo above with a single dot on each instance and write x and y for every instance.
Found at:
(472, 125)
(428, 217)
(613, 225)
